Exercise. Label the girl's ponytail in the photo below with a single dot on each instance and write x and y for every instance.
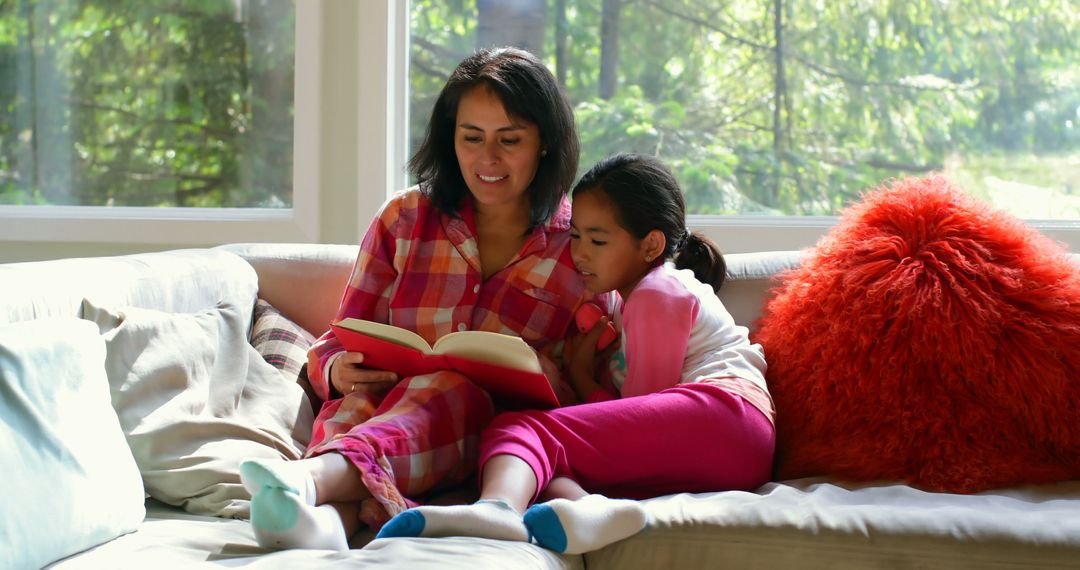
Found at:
(699, 254)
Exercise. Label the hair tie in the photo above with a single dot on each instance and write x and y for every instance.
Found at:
(683, 240)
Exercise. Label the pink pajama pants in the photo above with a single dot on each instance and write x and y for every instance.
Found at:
(688, 438)
(423, 435)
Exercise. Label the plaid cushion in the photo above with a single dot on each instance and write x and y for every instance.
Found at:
(281, 342)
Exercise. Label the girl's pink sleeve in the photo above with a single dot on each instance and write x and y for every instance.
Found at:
(658, 328)
(365, 295)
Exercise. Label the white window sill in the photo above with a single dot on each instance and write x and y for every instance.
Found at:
(195, 226)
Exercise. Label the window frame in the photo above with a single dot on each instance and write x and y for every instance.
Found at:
(206, 226)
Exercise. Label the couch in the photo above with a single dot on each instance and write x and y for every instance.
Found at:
(168, 337)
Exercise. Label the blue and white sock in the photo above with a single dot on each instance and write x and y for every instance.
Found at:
(589, 523)
(283, 511)
(483, 519)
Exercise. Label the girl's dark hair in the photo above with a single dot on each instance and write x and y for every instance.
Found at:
(529, 92)
(647, 197)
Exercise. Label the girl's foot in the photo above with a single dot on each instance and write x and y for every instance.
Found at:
(483, 519)
(589, 523)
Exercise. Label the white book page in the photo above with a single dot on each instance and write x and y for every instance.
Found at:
(390, 333)
(496, 348)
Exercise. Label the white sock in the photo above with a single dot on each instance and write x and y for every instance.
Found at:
(483, 519)
(589, 523)
(278, 473)
(281, 520)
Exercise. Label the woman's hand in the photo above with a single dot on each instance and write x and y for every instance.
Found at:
(347, 375)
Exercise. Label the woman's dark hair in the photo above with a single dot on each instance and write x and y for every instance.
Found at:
(529, 92)
(647, 197)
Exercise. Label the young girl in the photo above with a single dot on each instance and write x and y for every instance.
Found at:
(683, 406)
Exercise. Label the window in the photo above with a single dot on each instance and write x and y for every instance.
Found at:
(781, 113)
(167, 122)
(870, 90)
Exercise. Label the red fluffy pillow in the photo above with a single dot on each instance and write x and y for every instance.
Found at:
(931, 339)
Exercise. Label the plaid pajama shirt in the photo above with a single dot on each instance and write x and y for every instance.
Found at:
(420, 269)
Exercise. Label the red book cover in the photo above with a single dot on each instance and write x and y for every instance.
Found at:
(503, 365)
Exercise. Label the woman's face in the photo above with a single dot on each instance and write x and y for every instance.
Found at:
(498, 154)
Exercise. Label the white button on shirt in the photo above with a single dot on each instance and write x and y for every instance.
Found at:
(476, 288)
(461, 326)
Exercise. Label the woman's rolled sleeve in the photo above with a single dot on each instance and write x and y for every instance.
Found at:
(366, 295)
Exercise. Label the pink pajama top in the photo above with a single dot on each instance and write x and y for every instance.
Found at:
(420, 269)
(675, 328)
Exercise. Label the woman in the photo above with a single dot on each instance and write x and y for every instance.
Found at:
(481, 243)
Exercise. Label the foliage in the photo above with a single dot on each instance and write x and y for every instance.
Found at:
(129, 103)
(869, 90)
(188, 102)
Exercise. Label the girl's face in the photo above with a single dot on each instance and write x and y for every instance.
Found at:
(608, 256)
(498, 155)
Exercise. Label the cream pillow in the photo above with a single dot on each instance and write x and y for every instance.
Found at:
(195, 399)
(70, 482)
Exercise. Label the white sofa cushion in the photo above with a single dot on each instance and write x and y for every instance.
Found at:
(70, 481)
(180, 281)
(180, 540)
(817, 523)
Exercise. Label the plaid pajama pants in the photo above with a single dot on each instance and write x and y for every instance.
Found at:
(423, 435)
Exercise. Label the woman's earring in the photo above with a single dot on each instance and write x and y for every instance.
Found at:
(543, 153)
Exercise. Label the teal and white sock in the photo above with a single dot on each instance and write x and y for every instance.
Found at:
(483, 519)
(281, 520)
(283, 511)
(278, 473)
(589, 523)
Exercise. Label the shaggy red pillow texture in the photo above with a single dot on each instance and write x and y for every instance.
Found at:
(931, 339)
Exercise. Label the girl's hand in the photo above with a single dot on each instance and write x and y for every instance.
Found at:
(347, 376)
(582, 358)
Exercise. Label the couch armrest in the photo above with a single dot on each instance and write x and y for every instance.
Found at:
(749, 279)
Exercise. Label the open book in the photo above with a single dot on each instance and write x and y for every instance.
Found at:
(504, 365)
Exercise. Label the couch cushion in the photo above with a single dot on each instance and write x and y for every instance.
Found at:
(188, 541)
(930, 339)
(70, 482)
(282, 343)
(194, 399)
(183, 281)
(816, 524)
